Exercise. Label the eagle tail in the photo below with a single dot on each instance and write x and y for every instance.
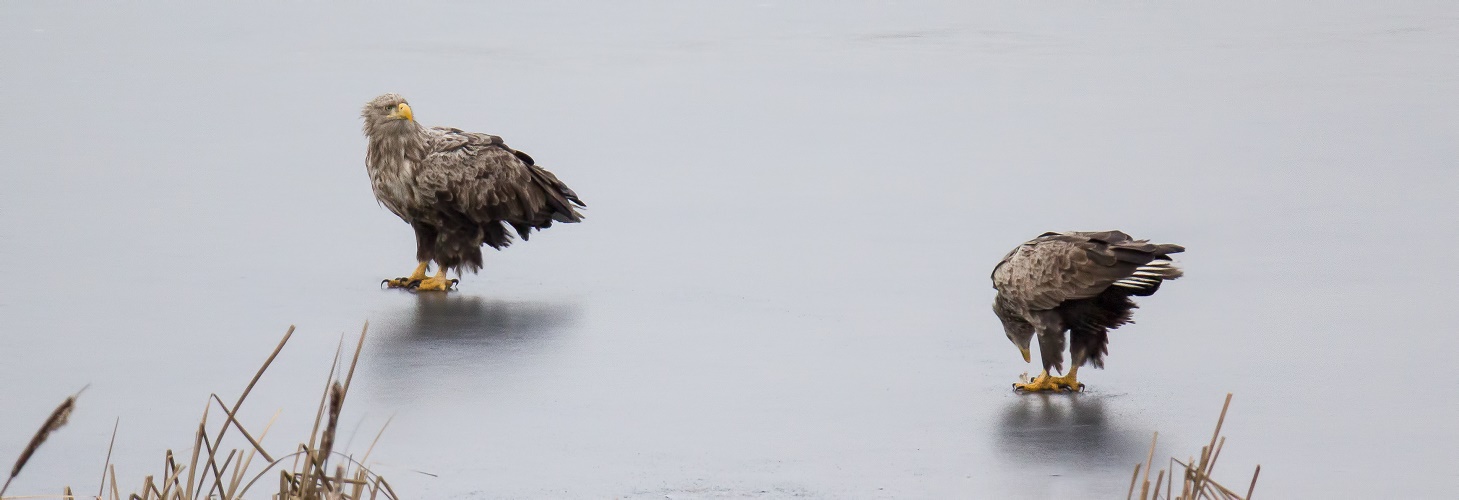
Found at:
(1153, 265)
(560, 198)
(1089, 326)
(1146, 279)
(523, 230)
(496, 236)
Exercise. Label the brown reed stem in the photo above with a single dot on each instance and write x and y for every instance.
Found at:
(54, 422)
(1170, 485)
(257, 375)
(1252, 488)
(1211, 467)
(112, 470)
(326, 443)
(1133, 478)
(358, 348)
(198, 442)
(319, 413)
(1149, 459)
(240, 471)
(234, 420)
(1217, 433)
(349, 480)
(102, 489)
(366, 458)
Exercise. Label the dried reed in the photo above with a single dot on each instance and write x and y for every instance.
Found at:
(213, 472)
(1197, 484)
(54, 422)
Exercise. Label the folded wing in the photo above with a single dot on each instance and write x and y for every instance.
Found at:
(1058, 267)
(478, 180)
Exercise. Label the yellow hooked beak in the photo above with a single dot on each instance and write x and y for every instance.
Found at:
(402, 112)
(1026, 358)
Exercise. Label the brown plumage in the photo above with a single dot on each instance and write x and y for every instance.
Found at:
(1080, 282)
(458, 190)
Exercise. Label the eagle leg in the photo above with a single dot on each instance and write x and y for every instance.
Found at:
(1046, 383)
(415, 277)
(439, 282)
(1069, 382)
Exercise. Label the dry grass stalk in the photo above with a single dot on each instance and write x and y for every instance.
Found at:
(336, 403)
(323, 398)
(1216, 455)
(212, 464)
(112, 471)
(214, 471)
(239, 471)
(1134, 479)
(326, 443)
(1170, 485)
(1149, 462)
(234, 420)
(366, 458)
(1209, 449)
(198, 442)
(1253, 482)
(58, 418)
(105, 466)
(1197, 483)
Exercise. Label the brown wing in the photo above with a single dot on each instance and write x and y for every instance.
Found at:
(477, 176)
(1057, 267)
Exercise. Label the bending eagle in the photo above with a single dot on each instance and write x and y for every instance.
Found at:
(1079, 282)
(458, 190)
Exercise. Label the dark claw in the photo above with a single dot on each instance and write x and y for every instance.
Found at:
(383, 283)
(454, 282)
(414, 284)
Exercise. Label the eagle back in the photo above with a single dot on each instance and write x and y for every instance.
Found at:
(479, 176)
(1055, 267)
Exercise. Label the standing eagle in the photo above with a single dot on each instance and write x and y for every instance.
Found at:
(1080, 282)
(458, 190)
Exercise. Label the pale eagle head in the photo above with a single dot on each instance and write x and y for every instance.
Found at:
(387, 114)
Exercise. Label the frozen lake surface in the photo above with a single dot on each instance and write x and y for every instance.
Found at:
(781, 289)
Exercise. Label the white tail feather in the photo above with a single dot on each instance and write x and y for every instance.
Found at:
(1161, 269)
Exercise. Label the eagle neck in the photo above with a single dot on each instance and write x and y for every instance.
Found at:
(394, 154)
(406, 139)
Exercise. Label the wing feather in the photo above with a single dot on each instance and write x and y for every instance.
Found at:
(1057, 267)
(479, 177)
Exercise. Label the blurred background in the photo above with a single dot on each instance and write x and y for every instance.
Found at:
(781, 288)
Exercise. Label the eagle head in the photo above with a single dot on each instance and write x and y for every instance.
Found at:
(386, 113)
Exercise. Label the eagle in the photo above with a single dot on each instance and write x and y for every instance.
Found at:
(457, 190)
(1079, 282)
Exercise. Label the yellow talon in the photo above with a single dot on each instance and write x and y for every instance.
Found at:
(1068, 381)
(1039, 383)
(439, 282)
(418, 276)
(1045, 382)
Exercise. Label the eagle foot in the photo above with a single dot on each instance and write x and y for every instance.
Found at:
(408, 281)
(438, 283)
(401, 282)
(1046, 383)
